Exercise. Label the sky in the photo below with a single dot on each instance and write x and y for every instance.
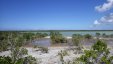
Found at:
(56, 14)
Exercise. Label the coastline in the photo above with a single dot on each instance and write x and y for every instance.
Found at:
(68, 37)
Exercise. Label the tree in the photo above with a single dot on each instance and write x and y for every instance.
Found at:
(56, 37)
(97, 35)
(40, 35)
(28, 36)
(87, 36)
(104, 35)
(76, 39)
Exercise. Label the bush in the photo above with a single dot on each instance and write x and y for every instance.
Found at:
(5, 60)
(35, 46)
(30, 60)
(63, 53)
(56, 37)
(99, 54)
(87, 36)
(25, 60)
(44, 49)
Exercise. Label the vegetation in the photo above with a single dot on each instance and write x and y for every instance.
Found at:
(107, 36)
(41, 35)
(43, 49)
(111, 35)
(99, 54)
(14, 41)
(76, 39)
(35, 46)
(8, 38)
(103, 35)
(56, 37)
(98, 35)
(3, 41)
(87, 36)
(25, 60)
(61, 54)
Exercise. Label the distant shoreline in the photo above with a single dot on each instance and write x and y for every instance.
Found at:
(48, 30)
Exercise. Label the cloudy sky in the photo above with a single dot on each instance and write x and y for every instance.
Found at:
(56, 14)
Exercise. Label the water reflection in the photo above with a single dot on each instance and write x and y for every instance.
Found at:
(46, 42)
(42, 42)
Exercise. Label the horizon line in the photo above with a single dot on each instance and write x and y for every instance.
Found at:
(55, 30)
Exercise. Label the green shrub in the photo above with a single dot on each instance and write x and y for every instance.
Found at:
(44, 49)
(56, 37)
(25, 60)
(5, 60)
(63, 53)
(99, 54)
(35, 46)
(87, 36)
(30, 60)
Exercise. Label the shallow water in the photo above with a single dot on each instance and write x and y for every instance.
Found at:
(46, 42)
(86, 32)
(42, 42)
(70, 33)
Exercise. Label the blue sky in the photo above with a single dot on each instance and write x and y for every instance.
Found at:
(56, 14)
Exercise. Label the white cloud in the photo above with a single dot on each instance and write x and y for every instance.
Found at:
(105, 20)
(96, 22)
(105, 6)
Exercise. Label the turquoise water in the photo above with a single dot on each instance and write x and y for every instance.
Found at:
(86, 32)
(69, 33)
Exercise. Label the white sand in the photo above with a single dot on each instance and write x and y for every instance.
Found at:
(47, 58)
(5, 53)
(47, 37)
(68, 37)
(51, 57)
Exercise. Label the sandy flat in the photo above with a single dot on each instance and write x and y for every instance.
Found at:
(47, 58)
(52, 56)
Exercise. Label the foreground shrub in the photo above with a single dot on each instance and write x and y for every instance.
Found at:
(25, 60)
(76, 39)
(43, 49)
(35, 46)
(61, 54)
(99, 54)
(30, 60)
(5, 60)
(18, 53)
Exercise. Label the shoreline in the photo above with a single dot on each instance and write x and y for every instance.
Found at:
(67, 37)
(62, 44)
(70, 37)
